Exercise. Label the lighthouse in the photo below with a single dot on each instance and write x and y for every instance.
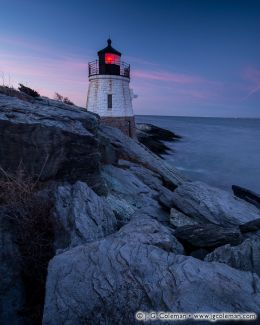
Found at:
(109, 94)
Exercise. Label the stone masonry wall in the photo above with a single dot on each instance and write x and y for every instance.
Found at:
(125, 124)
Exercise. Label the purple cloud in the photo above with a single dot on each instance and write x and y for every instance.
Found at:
(160, 91)
(252, 76)
(168, 77)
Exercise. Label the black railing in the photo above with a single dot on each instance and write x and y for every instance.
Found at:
(98, 67)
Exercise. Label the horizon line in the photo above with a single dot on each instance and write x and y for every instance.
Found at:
(227, 117)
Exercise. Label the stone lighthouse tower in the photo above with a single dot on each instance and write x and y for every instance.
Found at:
(109, 94)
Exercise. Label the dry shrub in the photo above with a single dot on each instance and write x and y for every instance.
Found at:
(10, 91)
(32, 224)
(66, 100)
(60, 98)
(29, 91)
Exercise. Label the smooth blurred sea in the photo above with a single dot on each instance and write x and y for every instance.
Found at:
(218, 151)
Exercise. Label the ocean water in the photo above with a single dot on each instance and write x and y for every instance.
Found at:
(218, 151)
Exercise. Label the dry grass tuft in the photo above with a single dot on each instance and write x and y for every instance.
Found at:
(32, 224)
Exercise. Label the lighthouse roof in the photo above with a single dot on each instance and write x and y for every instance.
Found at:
(109, 49)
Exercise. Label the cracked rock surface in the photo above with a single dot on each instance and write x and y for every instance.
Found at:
(107, 281)
(245, 257)
(52, 140)
(81, 216)
(205, 203)
(123, 221)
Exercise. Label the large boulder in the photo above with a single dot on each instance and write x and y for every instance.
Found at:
(148, 177)
(151, 179)
(134, 151)
(250, 226)
(51, 140)
(245, 257)
(208, 235)
(130, 191)
(108, 281)
(205, 203)
(81, 216)
(154, 137)
(247, 195)
(147, 230)
(179, 219)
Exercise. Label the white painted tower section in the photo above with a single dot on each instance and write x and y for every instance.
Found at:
(109, 94)
(100, 86)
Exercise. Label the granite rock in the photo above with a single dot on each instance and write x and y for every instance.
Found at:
(50, 140)
(81, 216)
(128, 193)
(131, 150)
(250, 226)
(179, 219)
(247, 195)
(208, 235)
(205, 203)
(245, 257)
(108, 281)
(154, 137)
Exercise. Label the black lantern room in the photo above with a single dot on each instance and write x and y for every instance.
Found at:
(109, 63)
(109, 60)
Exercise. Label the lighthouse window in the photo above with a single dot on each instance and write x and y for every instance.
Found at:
(109, 101)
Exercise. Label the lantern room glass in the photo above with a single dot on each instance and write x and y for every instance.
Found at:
(111, 58)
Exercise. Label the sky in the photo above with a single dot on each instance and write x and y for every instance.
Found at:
(187, 57)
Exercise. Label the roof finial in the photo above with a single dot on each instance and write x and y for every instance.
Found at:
(109, 41)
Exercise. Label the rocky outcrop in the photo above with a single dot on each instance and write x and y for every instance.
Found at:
(247, 195)
(12, 293)
(205, 203)
(50, 139)
(178, 219)
(131, 188)
(128, 149)
(154, 137)
(120, 248)
(81, 216)
(250, 226)
(245, 257)
(152, 180)
(208, 235)
(144, 229)
(11, 92)
(107, 281)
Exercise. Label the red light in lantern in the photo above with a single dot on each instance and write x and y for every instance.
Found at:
(111, 58)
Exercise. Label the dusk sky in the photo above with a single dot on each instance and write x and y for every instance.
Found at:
(188, 58)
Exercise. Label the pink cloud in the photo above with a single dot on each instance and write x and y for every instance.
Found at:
(49, 70)
(168, 77)
(177, 88)
(22, 45)
(252, 77)
(11, 40)
(139, 61)
(67, 75)
(252, 74)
